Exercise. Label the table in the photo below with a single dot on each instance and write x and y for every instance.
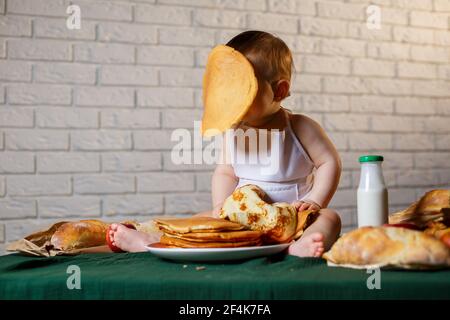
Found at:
(144, 276)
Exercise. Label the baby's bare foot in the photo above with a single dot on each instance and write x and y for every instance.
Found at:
(308, 246)
(129, 239)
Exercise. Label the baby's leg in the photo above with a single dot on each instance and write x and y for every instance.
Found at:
(131, 240)
(319, 236)
(135, 241)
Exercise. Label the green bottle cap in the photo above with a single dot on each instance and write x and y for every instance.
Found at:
(370, 158)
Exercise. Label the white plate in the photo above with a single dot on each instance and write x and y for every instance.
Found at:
(216, 254)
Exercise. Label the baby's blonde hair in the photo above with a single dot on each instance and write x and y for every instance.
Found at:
(269, 55)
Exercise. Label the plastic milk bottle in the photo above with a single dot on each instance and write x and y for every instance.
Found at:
(372, 193)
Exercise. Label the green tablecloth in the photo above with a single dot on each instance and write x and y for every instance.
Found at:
(144, 276)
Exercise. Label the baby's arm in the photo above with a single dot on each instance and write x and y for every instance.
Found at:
(324, 155)
(224, 181)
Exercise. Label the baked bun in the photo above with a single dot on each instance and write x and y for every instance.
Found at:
(372, 247)
(434, 206)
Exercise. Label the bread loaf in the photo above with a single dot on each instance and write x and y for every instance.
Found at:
(80, 234)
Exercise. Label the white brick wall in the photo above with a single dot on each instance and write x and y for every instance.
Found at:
(86, 115)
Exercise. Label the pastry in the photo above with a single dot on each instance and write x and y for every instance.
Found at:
(445, 238)
(229, 88)
(433, 206)
(278, 221)
(436, 229)
(439, 231)
(371, 247)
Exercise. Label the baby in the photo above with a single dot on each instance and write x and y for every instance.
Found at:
(309, 166)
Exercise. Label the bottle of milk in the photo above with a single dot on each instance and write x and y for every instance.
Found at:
(372, 193)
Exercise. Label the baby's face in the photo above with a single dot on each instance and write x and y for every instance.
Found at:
(263, 104)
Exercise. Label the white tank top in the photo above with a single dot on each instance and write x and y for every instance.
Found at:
(289, 174)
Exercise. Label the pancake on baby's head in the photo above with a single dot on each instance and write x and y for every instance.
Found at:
(243, 78)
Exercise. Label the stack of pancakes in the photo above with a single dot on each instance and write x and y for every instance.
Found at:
(206, 232)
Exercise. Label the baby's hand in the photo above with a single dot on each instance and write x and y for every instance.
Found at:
(216, 211)
(306, 205)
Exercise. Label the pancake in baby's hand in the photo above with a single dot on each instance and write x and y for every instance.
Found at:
(180, 243)
(197, 224)
(246, 205)
(231, 236)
